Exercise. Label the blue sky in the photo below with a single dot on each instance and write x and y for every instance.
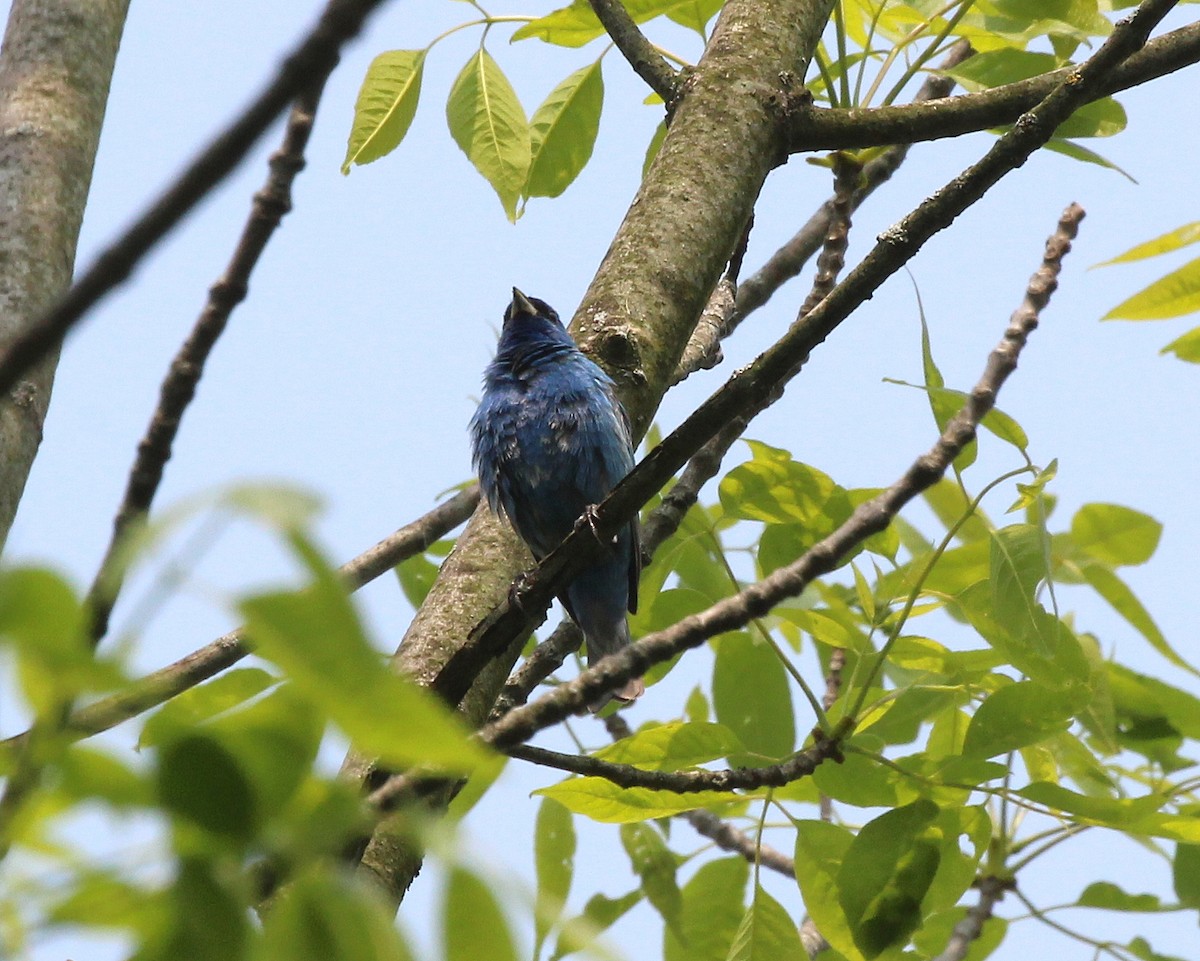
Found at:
(354, 365)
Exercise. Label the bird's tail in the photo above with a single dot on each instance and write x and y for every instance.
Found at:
(600, 644)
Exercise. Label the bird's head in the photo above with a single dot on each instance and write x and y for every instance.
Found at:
(528, 322)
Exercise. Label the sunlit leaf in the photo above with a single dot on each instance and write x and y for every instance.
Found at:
(1163, 244)
(712, 912)
(563, 132)
(387, 103)
(554, 860)
(489, 125)
(1174, 295)
(767, 933)
(473, 926)
(601, 800)
(1022, 713)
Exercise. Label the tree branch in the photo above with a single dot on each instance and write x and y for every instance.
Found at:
(270, 205)
(527, 603)
(868, 518)
(55, 70)
(818, 128)
(800, 764)
(790, 259)
(310, 63)
(967, 931)
(647, 62)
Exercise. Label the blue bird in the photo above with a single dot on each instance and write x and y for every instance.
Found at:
(549, 440)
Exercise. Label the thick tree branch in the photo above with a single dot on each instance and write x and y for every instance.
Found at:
(270, 205)
(55, 68)
(162, 685)
(309, 64)
(868, 518)
(725, 137)
(647, 62)
(816, 128)
(750, 387)
(790, 259)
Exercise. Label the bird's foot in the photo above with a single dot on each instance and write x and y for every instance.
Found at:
(591, 520)
(519, 585)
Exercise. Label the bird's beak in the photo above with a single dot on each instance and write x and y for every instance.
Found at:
(521, 304)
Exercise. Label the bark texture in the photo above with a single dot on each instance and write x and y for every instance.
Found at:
(55, 68)
(729, 129)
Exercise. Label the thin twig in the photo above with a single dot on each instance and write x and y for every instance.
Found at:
(270, 205)
(527, 601)
(309, 63)
(790, 259)
(798, 766)
(647, 62)
(868, 518)
(967, 931)
(162, 685)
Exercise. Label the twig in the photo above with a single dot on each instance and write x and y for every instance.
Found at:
(790, 259)
(818, 128)
(868, 518)
(799, 765)
(270, 205)
(310, 62)
(647, 62)
(833, 686)
(200, 665)
(528, 601)
(967, 931)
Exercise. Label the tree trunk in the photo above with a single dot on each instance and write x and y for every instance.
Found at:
(728, 132)
(55, 68)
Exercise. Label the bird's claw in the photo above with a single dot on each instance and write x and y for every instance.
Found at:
(519, 585)
(591, 520)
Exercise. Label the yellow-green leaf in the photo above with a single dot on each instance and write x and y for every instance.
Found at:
(488, 123)
(387, 103)
(601, 800)
(1163, 244)
(1174, 295)
(563, 132)
(1186, 347)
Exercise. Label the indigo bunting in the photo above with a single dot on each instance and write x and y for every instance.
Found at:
(550, 440)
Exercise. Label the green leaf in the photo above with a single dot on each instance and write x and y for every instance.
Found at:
(1185, 347)
(752, 698)
(773, 487)
(1114, 812)
(1030, 493)
(474, 927)
(1100, 118)
(1019, 714)
(202, 782)
(489, 125)
(387, 103)
(601, 800)
(1115, 535)
(599, 914)
(576, 25)
(563, 132)
(1077, 151)
(1109, 897)
(1125, 602)
(885, 875)
(821, 849)
(207, 921)
(1163, 244)
(993, 68)
(767, 933)
(1140, 948)
(554, 859)
(860, 781)
(204, 702)
(1185, 872)
(653, 862)
(695, 14)
(329, 914)
(673, 746)
(712, 912)
(1174, 295)
(938, 929)
(89, 774)
(314, 634)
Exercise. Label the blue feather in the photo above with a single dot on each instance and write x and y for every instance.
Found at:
(550, 439)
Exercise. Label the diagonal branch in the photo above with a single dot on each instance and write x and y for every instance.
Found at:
(750, 387)
(309, 64)
(817, 128)
(270, 205)
(868, 518)
(647, 62)
(968, 930)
